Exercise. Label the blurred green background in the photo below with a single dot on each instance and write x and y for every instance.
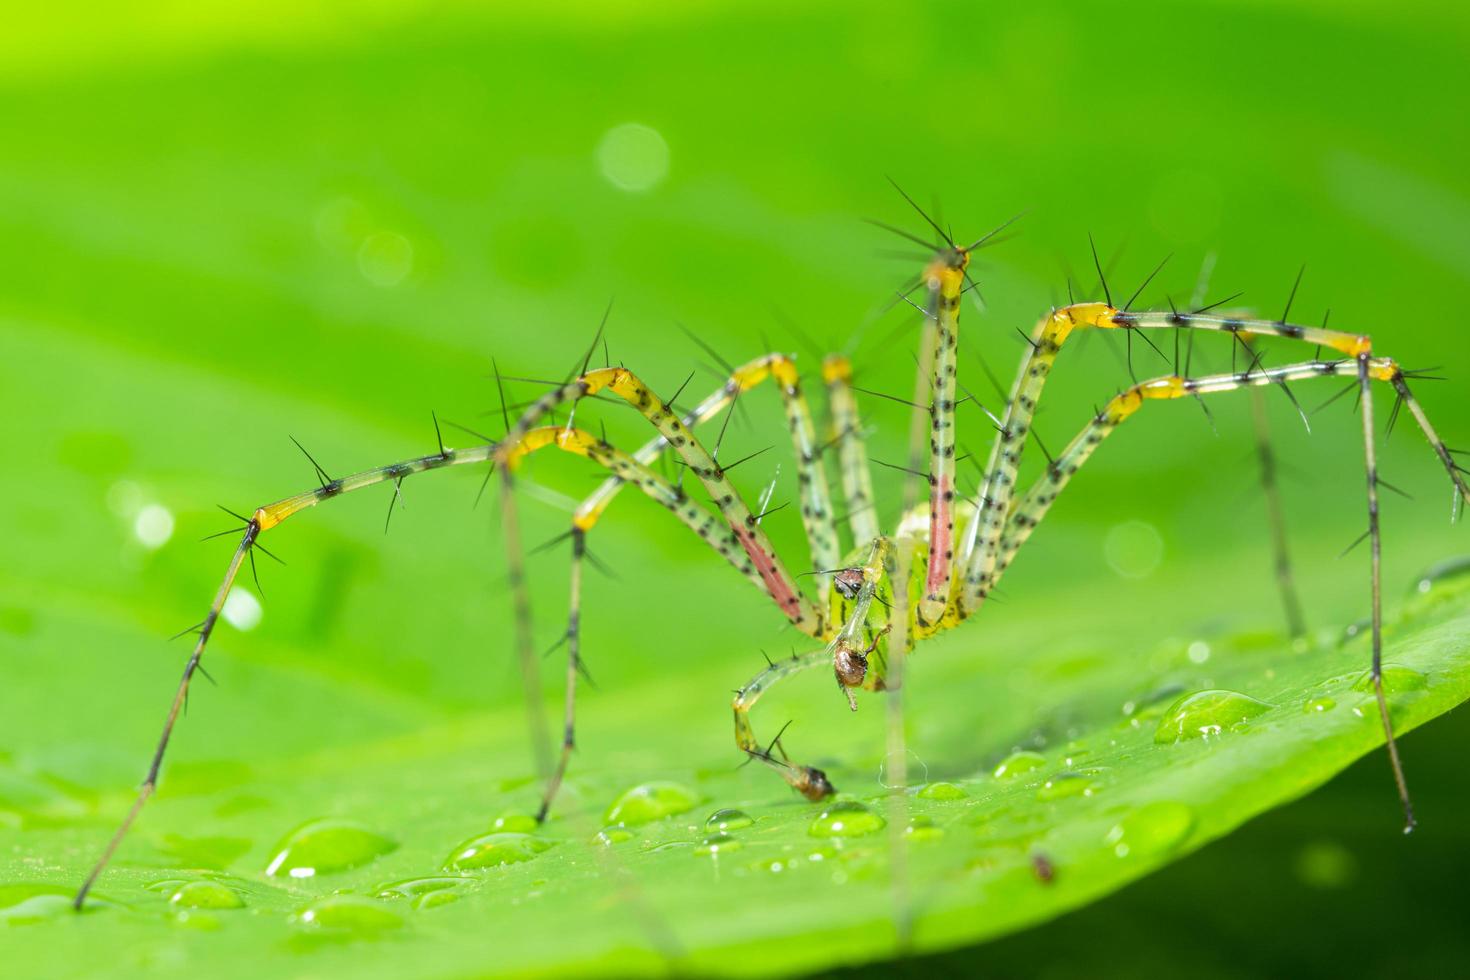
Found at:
(220, 227)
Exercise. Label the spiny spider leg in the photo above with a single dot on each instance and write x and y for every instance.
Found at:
(745, 530)
(150, 781)
(852, 456)
(1039, 498)
(520, 592)
(945, 278)
(817, 517)
(269, 516)
(845, 654)
(1291, 603)
(264, 519)
(628, 470)
(981, 549)
(856, 484)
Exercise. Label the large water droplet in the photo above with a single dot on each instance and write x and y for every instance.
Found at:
(614, 834)
(324, 846)
(1319, 704)
(418, 887)
(648, 802)
(1152, 704)
(923, 827)
(1154, 828)
(717, 844)
(515, 823)
(347, 914)
(434, 900)
(27, 902)
(1066, 784)
(1207, 713)
(1396, 678)
(1448, 569)
(723, 820)
(943, 791)
(493, 850)
(846, 818)
(206, 895)
(1019, 762)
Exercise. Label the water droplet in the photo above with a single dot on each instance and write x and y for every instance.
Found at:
(1207, 713)
(1352, 631)
(1019, 762)
(1152, 704)
(1066, 784)
(206, 895)
(648, 802)
(1395, 679)
(418, 887)
(195, 919)
(1448, 569)
(846, 818)
(1319, 704)
(775, 866)
(723, 820)
(349, 913)
(717, 844)
(493, 850)
(515, 823)
(169, 885)
(943, 791)
(433, 900)
(29, 902)
(923, 827)
(1154, 828)
(323, 846)
(1198, 652)
(615, 834)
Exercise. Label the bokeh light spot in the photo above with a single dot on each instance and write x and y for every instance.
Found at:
(633, 157)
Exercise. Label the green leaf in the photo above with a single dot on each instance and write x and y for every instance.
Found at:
(224, 232)
(1129, 770)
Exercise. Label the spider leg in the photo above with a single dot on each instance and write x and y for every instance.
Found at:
(744, 527)
(1291, 602)
(981, 546)
(1039, 498)
(806, 780)
(520, 592)
(574, 666)
(846, 654)
(852, 456)
(817, 517)
(946, 278)
(263, 519)
(150, 781)
(628, 471)
(1362, 366)
(816, 499)
(981, 549)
